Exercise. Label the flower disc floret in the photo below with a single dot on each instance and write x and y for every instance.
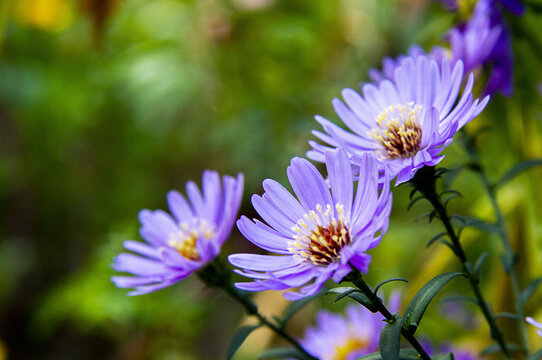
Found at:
(320, 234)
(182, 243)
(406, 120)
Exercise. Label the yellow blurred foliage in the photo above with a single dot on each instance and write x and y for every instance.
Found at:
(48, 15)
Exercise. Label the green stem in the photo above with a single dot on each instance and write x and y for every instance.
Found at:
(425, 183)
(215, 274)
(356, 277)
(476, 165)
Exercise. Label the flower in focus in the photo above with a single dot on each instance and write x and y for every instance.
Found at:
(181, 243)
(406, 122)
(484, 41)
(349, 337)
(533, 322)
(320, 234)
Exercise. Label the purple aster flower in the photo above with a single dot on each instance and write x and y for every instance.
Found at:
(347, 337)
(516, 7)
(482, 41)
(320, 234)
(181, 244)
(389, 64)
(533, 322)
(459, 353)
(407, 122)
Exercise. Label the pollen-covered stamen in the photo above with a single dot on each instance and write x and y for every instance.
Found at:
(184, 240)
(321, 235)
(398, 131)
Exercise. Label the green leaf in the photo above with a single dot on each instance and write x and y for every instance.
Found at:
(404, 354)
(529, 290)
(449, 356)
(239, 338)
(516, 170)
(510, 316)
(354, 294)
(414, 201)
(480, 263)
(295, 307)
(495, 349)
(282, 353)
(459, 298)
(436, 238)
(387, 281)
(390, 339)
(536, 356)
(419, 303)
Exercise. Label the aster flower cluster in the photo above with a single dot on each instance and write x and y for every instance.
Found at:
(395, 130)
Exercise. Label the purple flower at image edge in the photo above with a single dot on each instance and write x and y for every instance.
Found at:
(405, 122)
(485, 41)
(347, 337)
(182, 243)
(516, 7)
(320, 234)
(536, 324)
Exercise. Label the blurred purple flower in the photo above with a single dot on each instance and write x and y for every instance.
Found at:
(406, 122)
(180, 245)
(516, 7)
(484, 41)
(459, 353)
(347, 337)
(319, 234)
(389, 64)
(535, 323)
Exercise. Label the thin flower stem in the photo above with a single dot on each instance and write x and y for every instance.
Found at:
(424, 181)
(215, 274)
(476, 165)
(356, 277)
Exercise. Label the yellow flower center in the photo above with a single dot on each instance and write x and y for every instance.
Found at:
(184, 240)
(349, 346)
(398, 131)
(320, 236)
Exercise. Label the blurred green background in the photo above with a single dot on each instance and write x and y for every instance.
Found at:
(105, 105)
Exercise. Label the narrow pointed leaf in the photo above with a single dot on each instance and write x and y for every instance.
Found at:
(239, 338)
(449, 356)
(529, 290)
(354, 294)
(419, 303)
(282, 353)
(510, 316)
(387, 281)
(404, 354)
(390, 339)
(495, 349)
(516, 170)
(435, 238)
(480, 263)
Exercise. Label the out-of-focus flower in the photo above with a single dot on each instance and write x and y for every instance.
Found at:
(349, 337)
(344, 338)
(484, 41)
(320, 234)
(533, 322)
(49, 15)
(459, 353)
(181, 244)
(406, 122)
(389, 64)
(516, 7)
